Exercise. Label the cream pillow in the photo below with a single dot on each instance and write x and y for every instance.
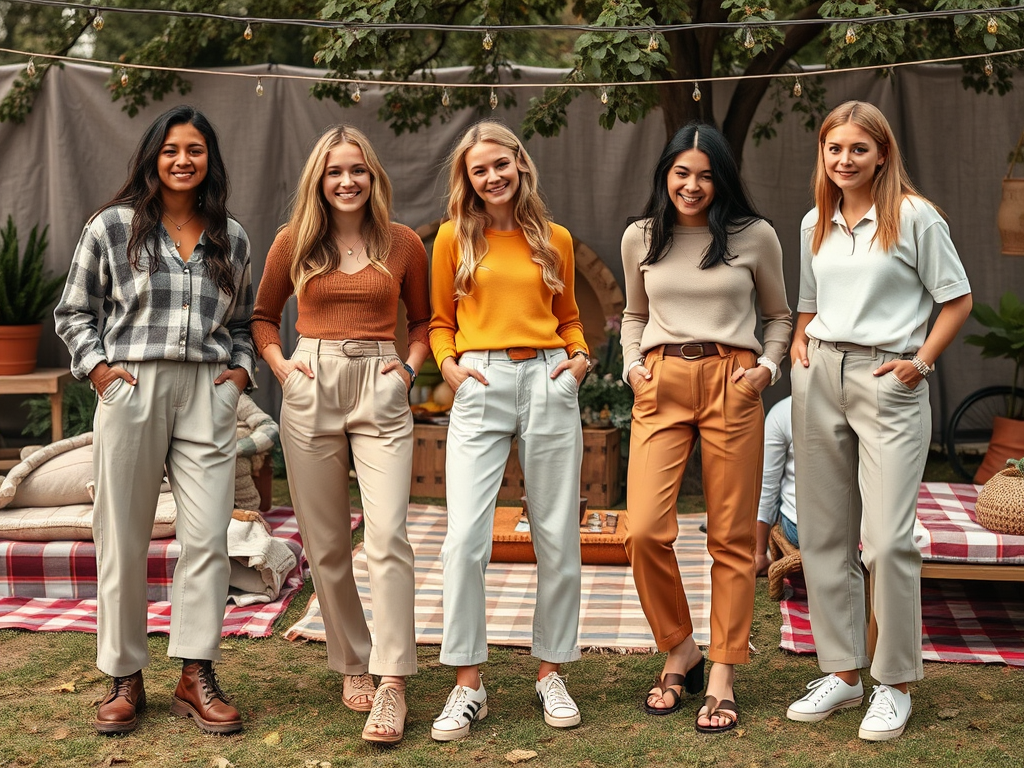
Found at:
(54, 476)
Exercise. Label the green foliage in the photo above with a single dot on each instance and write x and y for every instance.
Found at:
(27, 290)
(1006, 337)
(79, 408)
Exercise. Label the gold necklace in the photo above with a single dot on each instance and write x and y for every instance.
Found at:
(177, 243)
(349, 248)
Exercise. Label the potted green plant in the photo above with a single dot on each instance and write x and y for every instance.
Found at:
(1005, 339)
(27, 291)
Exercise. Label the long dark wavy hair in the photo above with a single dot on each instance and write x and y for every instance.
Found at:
(141, 191)
(730, 211)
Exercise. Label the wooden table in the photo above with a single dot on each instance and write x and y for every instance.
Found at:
(42, 381)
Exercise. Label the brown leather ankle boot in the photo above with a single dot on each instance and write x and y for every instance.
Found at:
(118, 713)
(199, 696)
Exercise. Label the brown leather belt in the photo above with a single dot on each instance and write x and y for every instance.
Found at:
(694, 350)
(521, 353)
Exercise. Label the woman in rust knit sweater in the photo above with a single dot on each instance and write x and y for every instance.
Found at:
(344, 386)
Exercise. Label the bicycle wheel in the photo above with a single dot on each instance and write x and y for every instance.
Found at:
(970, 428)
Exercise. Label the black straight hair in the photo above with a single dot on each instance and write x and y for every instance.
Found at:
(141, 191)
(730, 211)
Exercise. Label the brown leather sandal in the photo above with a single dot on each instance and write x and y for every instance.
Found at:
(714, 708)
(668, 695)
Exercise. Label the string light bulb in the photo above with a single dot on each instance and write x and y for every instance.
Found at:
(248, 31)
(30, 68)
(989, 69)
(259, 86)
(604, 95)
(124, 77)
(798, 89)
(993, 25)
(851, 35)
(652, 44)
(696, 91)
(748, 38)
(97, 21)
(493, 101)
(357, 94)
(446, 99)
(488, 41)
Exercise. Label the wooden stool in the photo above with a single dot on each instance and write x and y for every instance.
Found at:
(785, 560)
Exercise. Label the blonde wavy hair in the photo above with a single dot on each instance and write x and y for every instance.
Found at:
(314, 250)
(466, 209)
(888, 189)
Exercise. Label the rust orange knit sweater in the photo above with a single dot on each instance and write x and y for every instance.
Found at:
(337, 306)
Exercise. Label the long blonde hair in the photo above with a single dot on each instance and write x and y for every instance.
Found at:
(314, 251)
(888, 189)
(466, 209)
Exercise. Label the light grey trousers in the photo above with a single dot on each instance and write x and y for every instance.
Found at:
(176, 415)
(350, 404)
(521, 401)
(861, 442)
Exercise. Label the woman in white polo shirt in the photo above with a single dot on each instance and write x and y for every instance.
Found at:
(875, 255)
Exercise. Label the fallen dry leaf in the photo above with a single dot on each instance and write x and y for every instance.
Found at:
(520, 755)
(272, 739)
(986, 696)
(222, 762)
(61, 733)
(948, 714)
(68, 687)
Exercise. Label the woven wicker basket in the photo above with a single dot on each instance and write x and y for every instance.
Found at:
(1000, 505)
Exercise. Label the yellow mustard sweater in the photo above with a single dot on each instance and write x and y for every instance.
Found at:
(509, 305)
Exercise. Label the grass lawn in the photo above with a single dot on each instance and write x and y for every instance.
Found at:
(964, 715)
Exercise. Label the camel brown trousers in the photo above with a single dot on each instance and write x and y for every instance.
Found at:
(683, 400)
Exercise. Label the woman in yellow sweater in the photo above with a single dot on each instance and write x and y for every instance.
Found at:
(345, 387)
(507, 336)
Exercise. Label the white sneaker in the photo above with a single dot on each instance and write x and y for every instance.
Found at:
(560, 711)
(887, 715)
(464, 705)
(825, 695)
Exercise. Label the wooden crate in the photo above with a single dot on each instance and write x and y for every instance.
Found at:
(599, 479)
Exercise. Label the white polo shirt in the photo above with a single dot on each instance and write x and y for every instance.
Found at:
(862, 294)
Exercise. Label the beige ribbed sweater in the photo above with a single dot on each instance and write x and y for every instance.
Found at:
(674, 301)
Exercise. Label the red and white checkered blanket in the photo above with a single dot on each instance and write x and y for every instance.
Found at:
(948, 530)
(63, 575)
(963, 621)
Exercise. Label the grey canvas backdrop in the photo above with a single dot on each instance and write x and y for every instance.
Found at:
(71, 155)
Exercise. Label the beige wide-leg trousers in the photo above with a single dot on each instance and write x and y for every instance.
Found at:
(174, 415)
(861, 442)
(350, 403)
(683, 400)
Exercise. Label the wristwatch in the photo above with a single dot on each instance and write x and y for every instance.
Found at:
(411, 372)
(591, 364)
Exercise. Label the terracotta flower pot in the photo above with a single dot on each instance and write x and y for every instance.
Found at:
(1007, 443)
(1011, 218)
(19, 348)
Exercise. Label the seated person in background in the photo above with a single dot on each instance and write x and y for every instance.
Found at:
(778, 482)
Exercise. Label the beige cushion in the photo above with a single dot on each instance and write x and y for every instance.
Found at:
(71, 522)
(53, 476)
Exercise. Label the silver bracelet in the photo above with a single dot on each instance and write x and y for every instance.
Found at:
(922, 367)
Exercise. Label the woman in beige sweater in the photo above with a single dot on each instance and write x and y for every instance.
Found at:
(698, 265)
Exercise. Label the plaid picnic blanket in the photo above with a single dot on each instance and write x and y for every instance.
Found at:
(610, 615)
(66, 571)
(963, 621)
(948, 530)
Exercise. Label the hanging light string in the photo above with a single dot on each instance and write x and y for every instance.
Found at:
(991, 13)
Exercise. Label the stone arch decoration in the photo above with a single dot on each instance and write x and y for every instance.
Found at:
(597, 292)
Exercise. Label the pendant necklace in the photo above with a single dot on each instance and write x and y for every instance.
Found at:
(349, 249)
(177, 243)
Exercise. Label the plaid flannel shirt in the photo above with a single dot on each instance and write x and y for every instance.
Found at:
(111, 312)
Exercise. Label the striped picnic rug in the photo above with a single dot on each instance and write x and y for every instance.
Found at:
(610, 614)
